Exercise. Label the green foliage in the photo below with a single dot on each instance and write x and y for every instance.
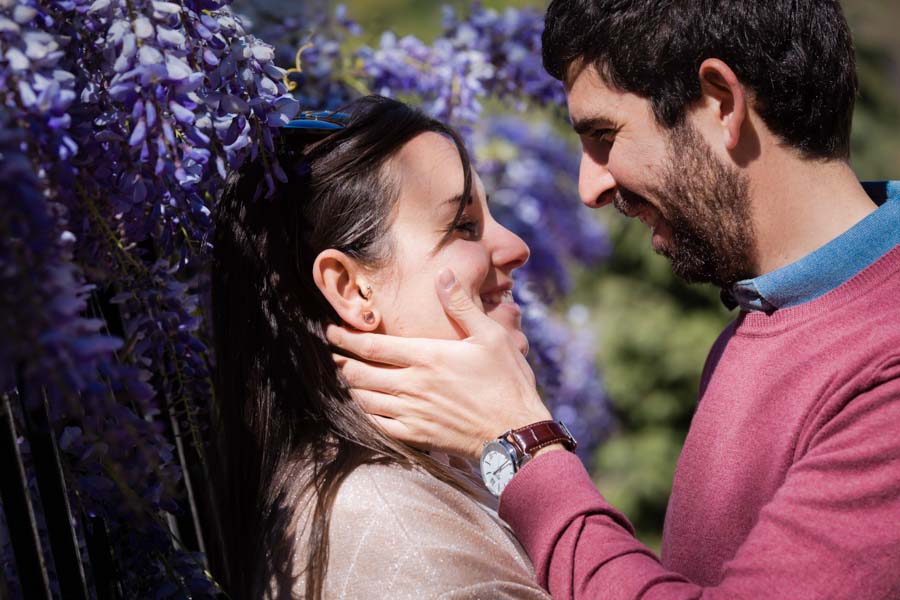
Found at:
(876, 123)
(654, 332)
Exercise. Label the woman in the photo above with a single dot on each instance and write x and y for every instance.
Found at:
(317, 502)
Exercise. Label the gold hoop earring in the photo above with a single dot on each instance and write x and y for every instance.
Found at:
(368, 293)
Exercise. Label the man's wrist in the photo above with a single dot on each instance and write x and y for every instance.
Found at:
(528, 418)
(546, 449)
(502, 458)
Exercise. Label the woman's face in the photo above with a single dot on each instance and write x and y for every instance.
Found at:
(481, 252)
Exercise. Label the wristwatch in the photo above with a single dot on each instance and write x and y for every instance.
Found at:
(502, 458)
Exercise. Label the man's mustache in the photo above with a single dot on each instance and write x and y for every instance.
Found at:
(627, 202)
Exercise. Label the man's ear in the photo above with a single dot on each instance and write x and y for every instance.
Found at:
(346, 287)
(727, 97)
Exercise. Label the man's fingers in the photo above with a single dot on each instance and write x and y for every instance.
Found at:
(457, 303)
(377, 403)
(361, 375)
(394, 429)
(374, 347)
(381, 408)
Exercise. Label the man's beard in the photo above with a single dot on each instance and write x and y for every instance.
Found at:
(706, 205)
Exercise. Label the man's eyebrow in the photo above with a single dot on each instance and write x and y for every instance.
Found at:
(587, 124)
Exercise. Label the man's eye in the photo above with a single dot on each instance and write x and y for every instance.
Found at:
(603, 135)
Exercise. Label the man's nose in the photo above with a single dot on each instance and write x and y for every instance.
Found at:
(594, 181)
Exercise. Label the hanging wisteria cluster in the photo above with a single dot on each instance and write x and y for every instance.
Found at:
(118, 122)
(120, 118)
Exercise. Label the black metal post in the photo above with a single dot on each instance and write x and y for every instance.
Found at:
(4, 588)
(23, 532)
(102, 564)
(189, 529)
(57, 512)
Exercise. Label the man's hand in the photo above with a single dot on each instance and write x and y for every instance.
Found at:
(444, 395)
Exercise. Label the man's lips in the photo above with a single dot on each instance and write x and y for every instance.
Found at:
(629, 204)
(635, 207)
(649, 216)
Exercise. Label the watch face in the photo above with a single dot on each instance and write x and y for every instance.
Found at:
(497, 466)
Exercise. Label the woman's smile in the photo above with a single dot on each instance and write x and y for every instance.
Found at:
(493, 298)
(501, 307)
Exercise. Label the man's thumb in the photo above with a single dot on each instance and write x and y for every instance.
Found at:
(457, 302)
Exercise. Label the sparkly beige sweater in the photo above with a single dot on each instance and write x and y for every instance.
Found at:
(401, 533)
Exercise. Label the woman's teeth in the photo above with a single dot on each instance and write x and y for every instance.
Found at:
(498, 298)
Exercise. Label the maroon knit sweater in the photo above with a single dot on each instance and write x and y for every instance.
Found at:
(788, 485)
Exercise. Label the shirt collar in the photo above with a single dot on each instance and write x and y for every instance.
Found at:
(831, 265)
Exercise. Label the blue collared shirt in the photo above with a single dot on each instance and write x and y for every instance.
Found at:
(830, 266)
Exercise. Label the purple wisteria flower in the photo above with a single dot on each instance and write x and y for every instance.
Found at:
(488, 54)
(450, 80)
(120, 120)
(511, 41)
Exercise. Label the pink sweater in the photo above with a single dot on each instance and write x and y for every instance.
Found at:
(788, 485)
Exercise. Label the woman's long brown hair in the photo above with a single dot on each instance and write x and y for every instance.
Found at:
(284, 410)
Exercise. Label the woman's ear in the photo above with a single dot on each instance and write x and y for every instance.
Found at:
(727, 97)
(347, 288)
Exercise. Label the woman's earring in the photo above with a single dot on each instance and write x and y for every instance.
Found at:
(368, 316)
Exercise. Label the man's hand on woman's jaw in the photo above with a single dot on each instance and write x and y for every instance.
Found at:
(444, 395)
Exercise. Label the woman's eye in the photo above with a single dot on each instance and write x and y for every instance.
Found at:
(468, 227)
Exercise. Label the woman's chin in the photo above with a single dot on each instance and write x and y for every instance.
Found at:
(507, 314)
(510, 317)
(521, 341)
(514, 328)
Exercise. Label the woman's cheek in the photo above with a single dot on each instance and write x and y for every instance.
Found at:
(416, 310)
(413, 308)
(470, 264)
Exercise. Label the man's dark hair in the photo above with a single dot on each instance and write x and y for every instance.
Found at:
(795, 56)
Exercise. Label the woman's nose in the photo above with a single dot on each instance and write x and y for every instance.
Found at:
(508, 250)
(594, 180)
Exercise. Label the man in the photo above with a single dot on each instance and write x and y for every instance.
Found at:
(724, 127)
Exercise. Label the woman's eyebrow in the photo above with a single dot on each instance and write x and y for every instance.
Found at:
(457, 199)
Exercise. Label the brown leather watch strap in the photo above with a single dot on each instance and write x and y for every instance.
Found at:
(533, 437)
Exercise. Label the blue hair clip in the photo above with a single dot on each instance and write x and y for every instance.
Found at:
(322, 121)
(312, 126)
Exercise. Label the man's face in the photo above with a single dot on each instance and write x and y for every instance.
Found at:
(696, 204)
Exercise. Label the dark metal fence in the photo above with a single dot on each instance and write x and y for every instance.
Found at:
(57, 550)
